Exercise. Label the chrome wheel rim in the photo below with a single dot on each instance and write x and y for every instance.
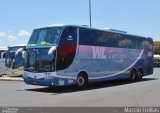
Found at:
(134, 76)
(140, 74)
(81, 81)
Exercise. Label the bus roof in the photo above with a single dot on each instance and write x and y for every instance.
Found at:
(108, 30)
(19, 45)
(3, 48)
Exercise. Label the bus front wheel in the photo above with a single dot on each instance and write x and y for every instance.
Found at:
(82, 80)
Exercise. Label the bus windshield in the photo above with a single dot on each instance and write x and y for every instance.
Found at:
(45, 36)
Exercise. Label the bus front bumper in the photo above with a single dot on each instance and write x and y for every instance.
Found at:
(47, 79)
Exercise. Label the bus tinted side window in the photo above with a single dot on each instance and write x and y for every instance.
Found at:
(97, 38)
(126, 41)
(135, 42)
(85, 37)
(105, 39)
(69, 37)
(146, 44)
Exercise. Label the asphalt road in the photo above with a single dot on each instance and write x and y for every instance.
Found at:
(108, 94)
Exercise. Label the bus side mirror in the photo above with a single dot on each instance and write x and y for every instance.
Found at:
(19, 57)
(3, 55)
(19, 51)
(51, 51)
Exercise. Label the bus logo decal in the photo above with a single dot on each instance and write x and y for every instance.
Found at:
(98, 52)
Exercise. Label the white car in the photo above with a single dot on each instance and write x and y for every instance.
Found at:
(2, 61)
(157, 60)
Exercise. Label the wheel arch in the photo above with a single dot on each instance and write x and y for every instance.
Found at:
(133, 69)
(141, 69)
(84, 73)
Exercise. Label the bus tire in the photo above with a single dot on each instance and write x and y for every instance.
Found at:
(140, 74)
(82, 80)
(133, 75)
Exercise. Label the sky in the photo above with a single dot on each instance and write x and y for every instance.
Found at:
(18, 18)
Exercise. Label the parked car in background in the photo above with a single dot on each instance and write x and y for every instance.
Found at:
(157, 60)
(2, 59)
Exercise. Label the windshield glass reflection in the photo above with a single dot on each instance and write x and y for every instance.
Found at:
(45, 36)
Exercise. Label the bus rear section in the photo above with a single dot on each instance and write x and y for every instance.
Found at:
(104, 55)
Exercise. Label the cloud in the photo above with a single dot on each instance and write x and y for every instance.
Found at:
(12, 38)
(3, 35)
(23, 33)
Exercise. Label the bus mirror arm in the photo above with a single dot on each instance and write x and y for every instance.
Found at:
(19, 51)
(19, 57)
(51, 50)
(24, 54)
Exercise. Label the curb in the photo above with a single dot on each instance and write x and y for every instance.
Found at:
(11, 79)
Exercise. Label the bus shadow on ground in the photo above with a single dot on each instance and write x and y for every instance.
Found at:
(98, 85)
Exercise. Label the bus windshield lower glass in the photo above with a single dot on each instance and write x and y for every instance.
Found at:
(38, 60)
(45, 36)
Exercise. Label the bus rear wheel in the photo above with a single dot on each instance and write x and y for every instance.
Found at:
(82, 80)
(133, 75)
(139, 74)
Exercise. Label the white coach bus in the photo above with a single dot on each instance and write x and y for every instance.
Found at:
(67, 55)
